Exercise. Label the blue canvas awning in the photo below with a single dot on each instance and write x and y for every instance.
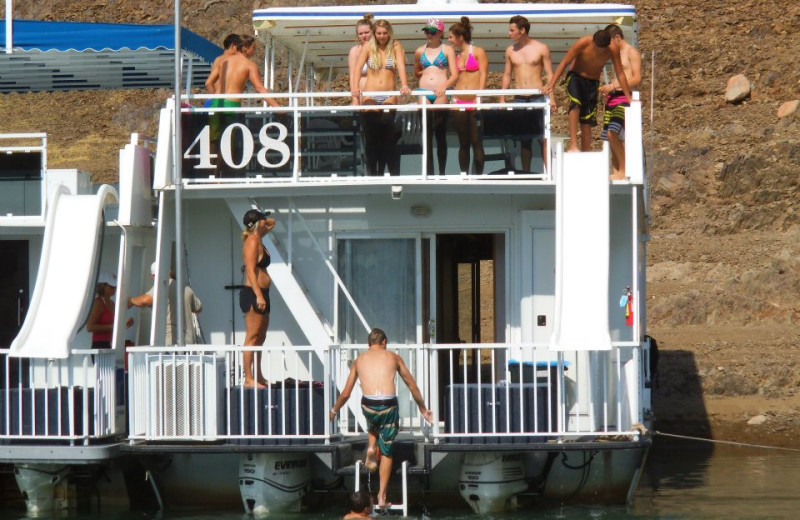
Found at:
(82, 56)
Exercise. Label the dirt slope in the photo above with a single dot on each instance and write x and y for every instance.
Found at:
(724, 259)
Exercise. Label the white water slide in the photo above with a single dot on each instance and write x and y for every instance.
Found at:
(67, 273)
(582, 252)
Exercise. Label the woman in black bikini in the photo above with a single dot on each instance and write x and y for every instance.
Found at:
(254, 298)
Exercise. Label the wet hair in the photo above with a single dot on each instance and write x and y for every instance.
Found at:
(232, 40)
(367, 20)
(374, 55)
(601, 38)
(359, 501)
(376, 337)
(247, 41)
(521, 22)
(614, 30)
(463, 29)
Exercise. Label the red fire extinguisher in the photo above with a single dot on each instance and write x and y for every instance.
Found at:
(627, 302)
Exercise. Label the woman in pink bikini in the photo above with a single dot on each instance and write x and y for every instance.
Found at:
(358, 78)
(435, 66)
(473, 68)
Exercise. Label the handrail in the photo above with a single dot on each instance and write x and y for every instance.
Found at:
(337, 278)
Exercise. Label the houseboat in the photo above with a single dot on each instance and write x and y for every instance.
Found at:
(516, 298)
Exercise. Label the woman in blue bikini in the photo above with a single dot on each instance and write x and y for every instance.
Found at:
(473, 68)
(385, 60)
(435, 66)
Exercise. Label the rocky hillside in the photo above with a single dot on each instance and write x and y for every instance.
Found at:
(724, 276)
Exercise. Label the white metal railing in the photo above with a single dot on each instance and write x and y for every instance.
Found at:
(59, 399)
(501, 391)
(479, 393)
(198, 393)
(261, 145)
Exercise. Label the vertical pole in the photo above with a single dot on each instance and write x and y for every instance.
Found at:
(176, 169)
(9, 26)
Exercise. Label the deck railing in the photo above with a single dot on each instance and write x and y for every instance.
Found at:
(73, 399)
(319, 136)
(198, 393)
(479, 393)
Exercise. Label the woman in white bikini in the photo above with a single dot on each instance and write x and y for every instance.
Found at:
(385, 60)
(473, 68)
(358, 78)
(435, 66)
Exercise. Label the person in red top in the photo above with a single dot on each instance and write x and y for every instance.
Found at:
(101, 317)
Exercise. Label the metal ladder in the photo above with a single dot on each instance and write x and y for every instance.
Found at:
(394, 507)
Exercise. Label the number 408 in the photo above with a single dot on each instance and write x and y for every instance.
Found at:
(203, 144)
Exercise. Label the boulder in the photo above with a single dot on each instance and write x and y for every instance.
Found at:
(738, 89)
(788, 108)
(757, 420)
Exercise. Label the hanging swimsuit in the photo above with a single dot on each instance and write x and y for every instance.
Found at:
(388, 66)
(471, 65)
(440, 62)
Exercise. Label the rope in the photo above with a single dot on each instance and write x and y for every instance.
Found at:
(731, 443)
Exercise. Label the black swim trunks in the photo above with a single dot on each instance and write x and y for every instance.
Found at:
(247, 300)
(582, 93)
(530, 123)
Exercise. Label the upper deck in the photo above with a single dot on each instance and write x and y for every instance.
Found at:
(318, 140)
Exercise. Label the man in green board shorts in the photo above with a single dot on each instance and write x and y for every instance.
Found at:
(375, 369)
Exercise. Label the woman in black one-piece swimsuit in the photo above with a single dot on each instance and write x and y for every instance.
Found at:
(254, 298)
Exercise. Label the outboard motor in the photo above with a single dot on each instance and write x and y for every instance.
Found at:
(490, 481)
(273, 482)
(45, 487)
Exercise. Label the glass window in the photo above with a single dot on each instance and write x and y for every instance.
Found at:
(380, 275)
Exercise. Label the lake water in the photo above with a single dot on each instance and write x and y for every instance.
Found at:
(682, 480)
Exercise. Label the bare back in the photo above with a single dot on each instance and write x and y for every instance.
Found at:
(235, 72)
(376, 371)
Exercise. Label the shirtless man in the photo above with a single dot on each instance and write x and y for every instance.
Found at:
(234, 72)
(230, 45)
(526, 59)
(588, 56)
(614, 115)
(375, 369)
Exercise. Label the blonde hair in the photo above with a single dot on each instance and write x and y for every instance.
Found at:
(246, 232)
(374, 55)
(367, 20)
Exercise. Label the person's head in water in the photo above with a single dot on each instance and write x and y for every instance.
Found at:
(360, 502)
(376, 337)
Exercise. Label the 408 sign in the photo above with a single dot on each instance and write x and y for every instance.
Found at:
(272, 153)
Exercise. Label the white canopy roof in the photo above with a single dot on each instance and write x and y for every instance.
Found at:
(330, 31)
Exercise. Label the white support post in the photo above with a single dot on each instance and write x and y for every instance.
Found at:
(9, 26)
(634, 165)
